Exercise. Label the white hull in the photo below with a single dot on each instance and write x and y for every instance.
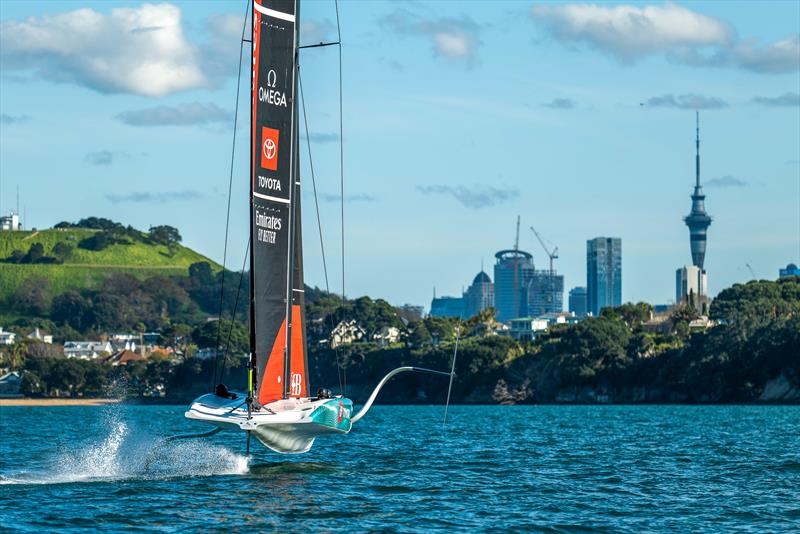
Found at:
(286, 426)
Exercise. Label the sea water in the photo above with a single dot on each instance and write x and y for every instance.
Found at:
(553, 468)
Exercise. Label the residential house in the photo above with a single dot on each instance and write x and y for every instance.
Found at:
(123, 357)
(7, 338)
(346, 332)
(86, 350)
(41, 336)
(387, 335)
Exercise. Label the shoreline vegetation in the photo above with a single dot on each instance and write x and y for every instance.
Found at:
(746, 351)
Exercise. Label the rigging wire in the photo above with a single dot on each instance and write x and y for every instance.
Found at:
(230, 188)
(341, 164)
(319, 220)
(452, 370)
(233, 315)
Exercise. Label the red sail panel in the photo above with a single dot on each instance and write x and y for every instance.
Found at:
(271, 387)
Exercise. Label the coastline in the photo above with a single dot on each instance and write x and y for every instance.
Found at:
(56, 402)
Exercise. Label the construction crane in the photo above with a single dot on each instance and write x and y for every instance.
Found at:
(552, 254)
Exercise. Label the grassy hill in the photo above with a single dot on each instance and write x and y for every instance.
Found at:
(87, 268)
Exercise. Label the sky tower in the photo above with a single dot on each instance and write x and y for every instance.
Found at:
(698, 220)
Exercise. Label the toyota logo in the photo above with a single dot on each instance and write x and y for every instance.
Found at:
(269, 148)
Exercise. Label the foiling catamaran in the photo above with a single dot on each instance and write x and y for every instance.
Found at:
(278, 408)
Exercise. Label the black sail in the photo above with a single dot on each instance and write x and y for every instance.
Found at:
(275, 217)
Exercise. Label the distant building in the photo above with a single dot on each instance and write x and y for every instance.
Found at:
(545, 293)
(447, 307)
(691, 286)
(41, 335)
(698, 220)
(10, 222)
(577, 301)
(525, 328)
(346, 332)
(387, 335)
(513, 272)
(790, 270)
(124, 357)
(603, 273)
(478, 296)
(86, 350)
(7, 338)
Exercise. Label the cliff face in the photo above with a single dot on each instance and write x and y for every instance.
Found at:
(781, 389)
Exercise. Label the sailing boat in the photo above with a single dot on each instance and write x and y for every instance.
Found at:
(277, 408)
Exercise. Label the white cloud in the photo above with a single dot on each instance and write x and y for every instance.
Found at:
(139, 50)
(452, 38)
(784, 100)
(475, 197)
(688, 101)
(630, 32)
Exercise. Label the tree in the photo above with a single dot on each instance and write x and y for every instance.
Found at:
(165, 235)
(234, 337)
(72, 309)
(419, 334)
(35, 253)
(63, 250)
(32, 296)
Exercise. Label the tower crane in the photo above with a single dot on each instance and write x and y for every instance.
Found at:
(552, 254)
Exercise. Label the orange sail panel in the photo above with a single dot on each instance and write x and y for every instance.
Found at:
(271, 388)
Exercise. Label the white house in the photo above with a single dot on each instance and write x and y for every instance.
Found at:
(40, 335)
(86, 350)
(7, 338)
(10, 222)
(346, 332)
(387, 335)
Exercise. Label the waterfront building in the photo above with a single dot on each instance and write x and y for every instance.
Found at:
(513, 272)
(790, 270)
(479, 295)
(577, 301)
(603, 273)
(545, 293)
(698, 220)
(447, 307)
(691, 287)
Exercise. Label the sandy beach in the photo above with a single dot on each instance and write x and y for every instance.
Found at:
(57, 402)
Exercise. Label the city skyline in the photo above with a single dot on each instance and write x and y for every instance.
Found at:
(594, 135)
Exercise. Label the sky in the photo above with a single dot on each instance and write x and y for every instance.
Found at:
(457, 118)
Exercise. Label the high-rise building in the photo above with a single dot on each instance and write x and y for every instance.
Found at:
(479, 296)
(790, 270)
(447, 307)
(577, 301)
(698, 220)
(603, 273)
(513, 271)
(691, 287)
(545, 293)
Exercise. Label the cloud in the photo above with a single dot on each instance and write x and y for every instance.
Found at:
(154, 198)
(358, 197)
(452, 38)
(476, 197)
(630, 33)
(785, 100)
(101, 157)
(725, 182)
(318, 137)
(13, 119)
(193, 113)
(560, 103)
(687, 101)
(139, 50)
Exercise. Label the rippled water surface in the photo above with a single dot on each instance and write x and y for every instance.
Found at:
(556, 468)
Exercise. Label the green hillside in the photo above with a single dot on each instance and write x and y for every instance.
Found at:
(85, 269)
